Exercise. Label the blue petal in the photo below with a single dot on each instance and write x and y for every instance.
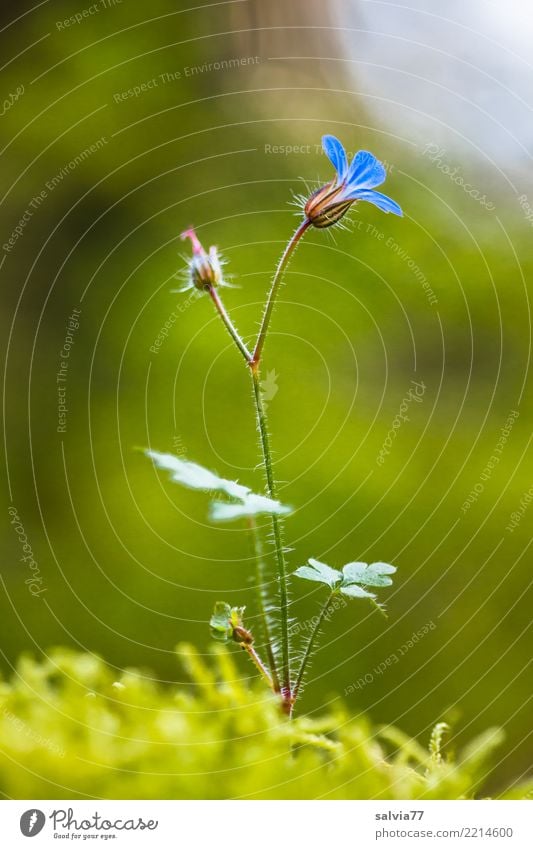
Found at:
(381, 201)
(336, 155)
(366, 171)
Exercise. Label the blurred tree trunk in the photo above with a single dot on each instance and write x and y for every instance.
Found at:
(277, 30)
(300, 47)
(283, 24)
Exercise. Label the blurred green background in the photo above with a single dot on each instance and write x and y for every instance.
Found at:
(129, 564)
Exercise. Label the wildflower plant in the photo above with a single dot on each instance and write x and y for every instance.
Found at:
(281, 668)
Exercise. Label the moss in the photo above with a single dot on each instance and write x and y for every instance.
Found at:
(70, 728)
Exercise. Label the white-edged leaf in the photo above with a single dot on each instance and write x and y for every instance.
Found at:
(317, 571)
(373, 575)
(252, 505)
(196, 477)
(355, 591)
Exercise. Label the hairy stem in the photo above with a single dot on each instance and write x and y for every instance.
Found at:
(283, 678)
(273, 678)
(261, 597)
(221, 309)
(278, 542)
(276, 282)
(258, 663)
(310, 645)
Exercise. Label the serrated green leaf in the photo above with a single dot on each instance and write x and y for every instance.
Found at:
(221, 614)
(320, 572)
(355, 591)
(251, 505)
(353, 579)
(373, 575)
(194, 476)
(226, 623)
(220, 622)
(309, 574)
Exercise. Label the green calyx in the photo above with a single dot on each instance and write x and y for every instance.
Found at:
(226, 624)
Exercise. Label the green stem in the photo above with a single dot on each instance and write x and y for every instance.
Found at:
(273, 679)
(261, 597)
(248, 647)
(253, 361)
(309, 648)
(278, 542)
(276, 282)
(217, 300)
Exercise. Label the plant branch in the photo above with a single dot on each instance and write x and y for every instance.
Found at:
(217, 300)
(283, 680)
(276, 282)
(261, 583)
(309, 648)
(249, 649)
(278, 542)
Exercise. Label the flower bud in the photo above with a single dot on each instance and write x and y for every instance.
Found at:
(323, 207)
(226, 624)
(204, 269)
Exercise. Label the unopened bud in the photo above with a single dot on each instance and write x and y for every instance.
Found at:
(204, 268)
(226, 624)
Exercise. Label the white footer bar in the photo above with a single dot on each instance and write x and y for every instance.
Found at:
(268, 825)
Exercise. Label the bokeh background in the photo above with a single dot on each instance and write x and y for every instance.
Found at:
(121, 128)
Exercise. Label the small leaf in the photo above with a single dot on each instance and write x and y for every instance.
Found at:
(196, 477)
(221, 628)
(373, 575)
(355, 591)
(226, 624)
(317, 571)
(252, 505)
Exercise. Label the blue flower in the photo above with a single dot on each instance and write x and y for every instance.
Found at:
(352, 183)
